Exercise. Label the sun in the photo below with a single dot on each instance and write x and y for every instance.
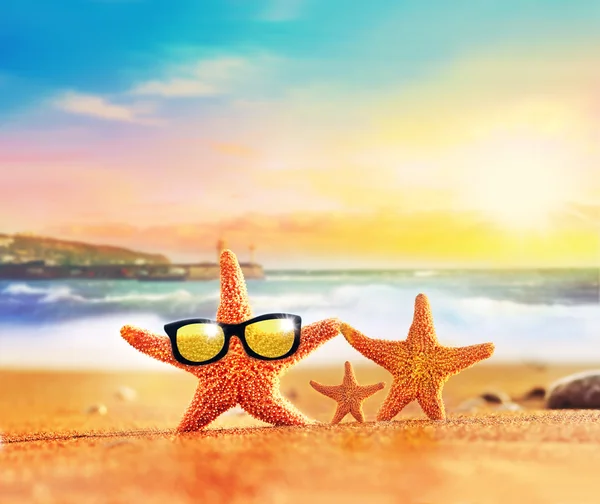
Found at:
(517, 199)
(520, 189)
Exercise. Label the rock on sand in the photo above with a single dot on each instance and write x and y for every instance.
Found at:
(579, 391)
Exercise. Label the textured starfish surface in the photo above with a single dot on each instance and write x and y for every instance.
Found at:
(349, 395)
(420, 365)
(237, 378)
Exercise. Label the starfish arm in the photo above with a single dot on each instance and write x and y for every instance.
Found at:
(206, 406)
(341, 411)
(157, 347)
(332, 391)
(270, 406)
(453, 360)
(369, 390)
(399, 396)
(432, 403)
(383, 352)
(349, 376)
(421, 334)
(313, 336)
(357, 412)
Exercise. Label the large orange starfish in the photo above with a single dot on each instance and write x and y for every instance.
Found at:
(349, 395)
(420, 365)
(237, 378)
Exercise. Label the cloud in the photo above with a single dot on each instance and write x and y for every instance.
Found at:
(78, 188)
(394, 239)
(587, 212)
(437, 141)
(176, 88)
(28, 157)
(95, 106)
(235, 150)
(279, 11)
(209, 77)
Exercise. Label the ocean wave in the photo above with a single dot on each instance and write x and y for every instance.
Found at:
(24, 289)
(88, 343)
(51, 301)
(135, 298)
(285, 303)
(52, 294)
(61, 293)
(360, 276)
(76, 323)
(308, 278)
(520, 332)
(425, 273)
(27, 304)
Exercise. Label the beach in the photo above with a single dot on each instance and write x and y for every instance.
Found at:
(109, 437)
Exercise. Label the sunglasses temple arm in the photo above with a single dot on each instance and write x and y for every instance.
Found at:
(157, 347)
(313, 336)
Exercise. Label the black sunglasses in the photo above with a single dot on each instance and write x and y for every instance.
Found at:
(267, 337)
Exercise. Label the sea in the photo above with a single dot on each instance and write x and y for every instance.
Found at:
(532, 316)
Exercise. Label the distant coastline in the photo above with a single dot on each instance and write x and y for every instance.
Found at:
(29, 257)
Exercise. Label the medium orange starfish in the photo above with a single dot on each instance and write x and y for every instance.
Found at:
(237, 378)
(420, 365)
(349, 395)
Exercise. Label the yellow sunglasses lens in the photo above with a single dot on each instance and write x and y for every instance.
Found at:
(200, 342)
(271, 338)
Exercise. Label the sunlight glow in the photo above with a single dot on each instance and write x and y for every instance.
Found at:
(211, 330)
(286, 324)
(522, 186)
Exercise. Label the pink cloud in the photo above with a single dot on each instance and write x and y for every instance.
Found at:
(27, 158)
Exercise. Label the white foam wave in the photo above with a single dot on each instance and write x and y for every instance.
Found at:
(520, 331)
(62, 293)
(263, 303)
(136, 298)
(425, 273)
(51, 294)
(308, 278)
(23, 289)
(93, 343)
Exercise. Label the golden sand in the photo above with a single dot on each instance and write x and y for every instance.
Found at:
(58, 450)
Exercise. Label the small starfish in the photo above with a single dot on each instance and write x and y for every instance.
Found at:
(237, 378)
(349, 395)
(420, 365)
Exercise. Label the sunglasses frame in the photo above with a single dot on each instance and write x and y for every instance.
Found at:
(230, 330)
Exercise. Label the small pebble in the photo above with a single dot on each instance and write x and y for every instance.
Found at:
(509, 406)
(495, 397)
(481, 404)
(470, 405)
(535, 393)
(292, 394)
(126, 394)
(97, 409)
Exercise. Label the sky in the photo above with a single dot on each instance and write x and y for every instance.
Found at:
(327, 133)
